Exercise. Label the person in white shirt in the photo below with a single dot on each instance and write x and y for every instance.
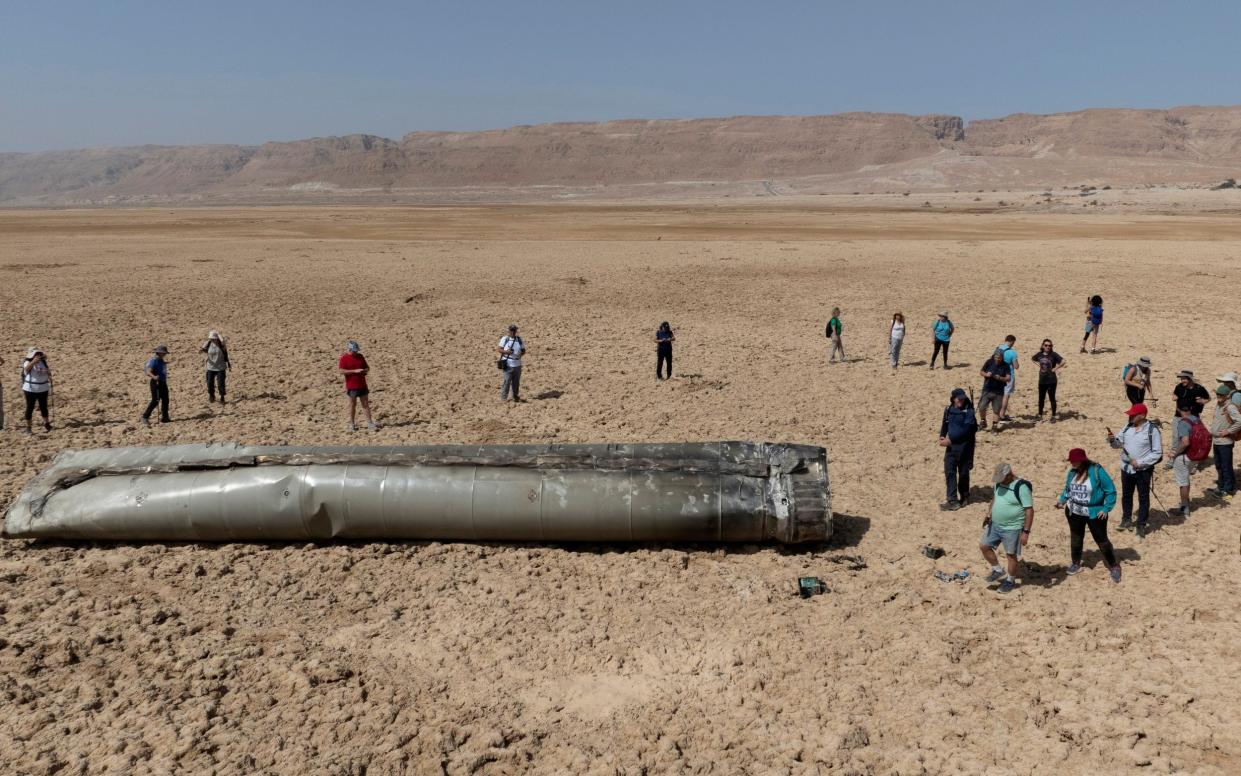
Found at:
(37, 386)
(896, 338)
(511, 350)
(1141, 448)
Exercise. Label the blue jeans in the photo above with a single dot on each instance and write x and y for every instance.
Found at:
(1227, 478)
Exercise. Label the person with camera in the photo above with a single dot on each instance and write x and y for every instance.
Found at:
(511, 350)
(217, 364)
(353, 366)
(37, 386)
(157, 375)
(663, 350)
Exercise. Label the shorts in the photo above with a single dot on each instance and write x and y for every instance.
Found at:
(1181, 469)
(993, 537)
(992, 399)
(1010, 386)
(356, 392)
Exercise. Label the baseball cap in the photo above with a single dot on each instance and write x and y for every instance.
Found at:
(1077, 455)
(1001, 471)
(957, 393)
(1137, 409)
(1222, 390)
(161, 349)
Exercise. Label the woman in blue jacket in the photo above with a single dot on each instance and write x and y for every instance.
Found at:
(1088, 496)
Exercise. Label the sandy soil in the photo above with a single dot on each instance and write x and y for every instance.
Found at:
(411, 658)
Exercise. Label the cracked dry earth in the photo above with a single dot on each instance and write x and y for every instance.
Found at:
(419, 658)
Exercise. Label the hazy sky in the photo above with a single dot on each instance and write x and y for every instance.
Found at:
(125, 72)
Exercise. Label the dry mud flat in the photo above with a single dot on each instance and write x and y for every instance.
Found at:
(391, 658)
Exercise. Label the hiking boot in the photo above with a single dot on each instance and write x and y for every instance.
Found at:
(1142, 530)
(1125, 524)
(1074, 568)
(28, 432)
(145, 421)
(1083, 348)
(1055, 418)
(1006, 586)
(995, 576)
(1115, 573)
(950, 506)
(371, 425)
(1214, 492)
(47, 427)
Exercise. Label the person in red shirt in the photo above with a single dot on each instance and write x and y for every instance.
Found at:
(354, 367)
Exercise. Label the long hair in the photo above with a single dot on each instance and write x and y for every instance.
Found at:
(1096, 300)
(665, 326)
(898, 317)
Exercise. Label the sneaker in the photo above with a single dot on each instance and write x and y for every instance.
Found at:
(1083, 349)
(1055, 418)
(950, 506)
(47, 427)
(145, 421)
(1142, 530)
(371, 425)
(1214, 492)
(1184, 511)
(27, 432)
(982, 424)
(1125, 524)
(1006, 586)
(1074, 568)
(995, 576)
(351, 428)
(1115, 573)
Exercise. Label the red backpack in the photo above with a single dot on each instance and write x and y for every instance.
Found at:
(1200, 442)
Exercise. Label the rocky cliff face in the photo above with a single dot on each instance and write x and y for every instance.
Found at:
(1185, 142)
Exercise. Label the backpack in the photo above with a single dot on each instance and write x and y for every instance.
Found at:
(1200, 442)
(1015, 489)
(1124, 373)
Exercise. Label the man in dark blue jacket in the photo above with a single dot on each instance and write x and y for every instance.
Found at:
(956, 436)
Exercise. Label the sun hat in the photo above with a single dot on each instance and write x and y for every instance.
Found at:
(1228, 377)
(1137, 409)
(1186, 373)
(943, 313)
(1145, 361)
(353, 347)
(34, 350)
(213, 334)
(161, 349)
(1001, 471)
(1222, 390)
(1077, 455)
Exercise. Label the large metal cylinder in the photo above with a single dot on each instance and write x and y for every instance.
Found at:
(717, 491)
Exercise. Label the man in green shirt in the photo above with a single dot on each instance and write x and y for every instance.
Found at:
(1008, 523)
(834, 329)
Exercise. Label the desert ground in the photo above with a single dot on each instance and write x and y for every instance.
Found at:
(457, 658)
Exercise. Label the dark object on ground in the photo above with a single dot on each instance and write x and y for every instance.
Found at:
(808, 586)
(932, 551)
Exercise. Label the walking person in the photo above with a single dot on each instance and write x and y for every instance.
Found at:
(217, 365)
(36, 386)
(834, 331)
(1008, 523)
(1094, 322)
(663, 350)
(1225, 428)
(1088, 497)
(1, 398)
(1180, 464)
(157, 375)
(1049, 365)
(957, 433)
(512, 350)
(896, 338)
(1137, 379)
(996, 375)
(943, 329)
(353, 366)
(1228, 379)
(1010, 358)
(1141, 448)
(1189, 393)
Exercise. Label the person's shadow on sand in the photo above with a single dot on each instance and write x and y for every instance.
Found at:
(1050, 575)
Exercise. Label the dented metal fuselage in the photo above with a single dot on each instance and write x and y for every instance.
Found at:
(714, 491)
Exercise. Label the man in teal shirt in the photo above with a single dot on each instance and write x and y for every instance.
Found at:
(834, 329)
(1008, 523)
(1010, 358)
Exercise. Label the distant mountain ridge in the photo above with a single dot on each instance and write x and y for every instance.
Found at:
(1188, 144)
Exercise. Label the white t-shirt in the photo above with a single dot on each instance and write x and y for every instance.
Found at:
(514, 344)
(898, 331)
(1079, 496)
(37, 380)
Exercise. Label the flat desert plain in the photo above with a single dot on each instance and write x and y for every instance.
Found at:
(456, 658)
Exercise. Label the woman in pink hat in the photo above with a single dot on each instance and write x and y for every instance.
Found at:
(1088, 496)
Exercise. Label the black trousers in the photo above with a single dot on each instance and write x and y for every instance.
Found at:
(1141, 482)
(1135, 394)
(958, 460)
(215, 380)
(938, 346)
(159, 398)
(1047, 390)
(32, 399)
(1098, 532)
(663, 356)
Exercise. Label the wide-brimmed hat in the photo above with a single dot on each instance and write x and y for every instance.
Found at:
(34, 350)
(943, 313)
(161, 350)
(1137, 409)
(213, 334)
(1185, 373)
(1001, 472)
(1077, 455)
(1145, 361)
(1228, 377)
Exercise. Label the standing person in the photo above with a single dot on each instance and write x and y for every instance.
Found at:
(834, 331)
(957, 434)
(354, 367)
(1189, 393)
(1010, 358)
(995, 375)
(1225, 427)
(511, 350)
(217, 364)
(157, 374)
(1094, 322)
(1049, 365)
(896, 338)
(1, 398)
(1228, 379)
(1181, 466)
(663, 350)
(1088, 497)
(36, 385)
(1138, 381)
(1141, 447)
(943, 329)
(1008, 523)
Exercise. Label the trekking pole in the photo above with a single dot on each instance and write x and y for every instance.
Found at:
(1155, 493)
